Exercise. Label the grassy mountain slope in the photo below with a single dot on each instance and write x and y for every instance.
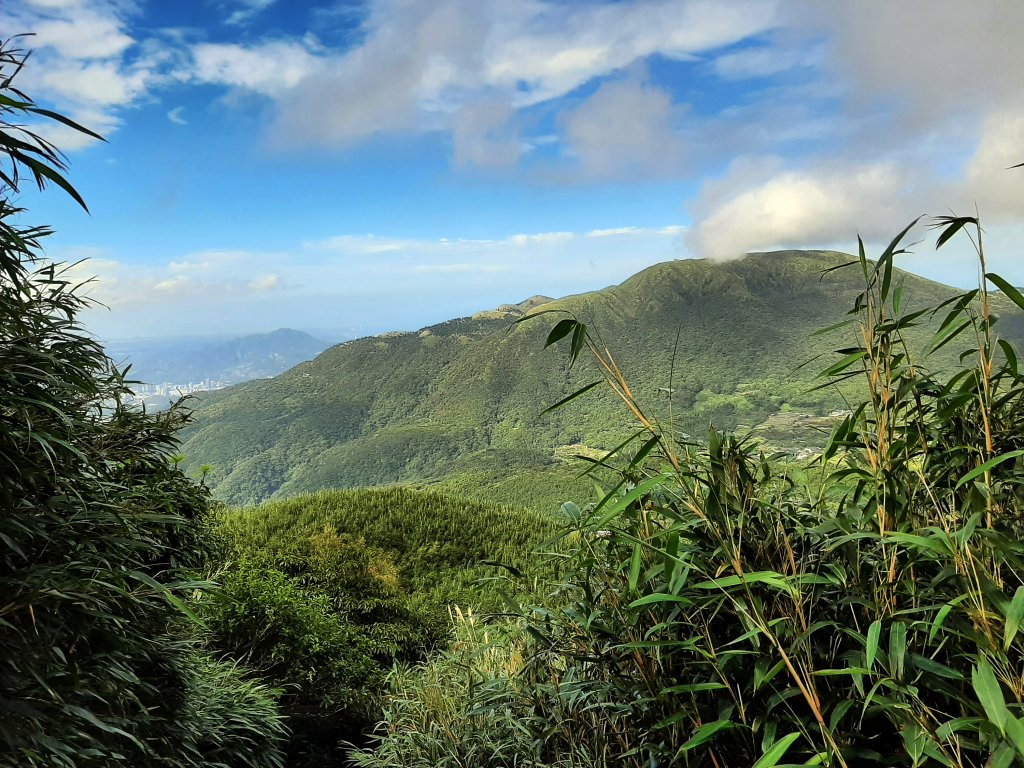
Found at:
(704, 341)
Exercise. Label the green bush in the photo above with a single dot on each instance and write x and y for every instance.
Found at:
(459, 709)
(99, 531)
(323, 617)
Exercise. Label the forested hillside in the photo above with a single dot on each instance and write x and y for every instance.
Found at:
(701, 342)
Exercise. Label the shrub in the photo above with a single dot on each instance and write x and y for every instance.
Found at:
(98, 530)
(459, 709)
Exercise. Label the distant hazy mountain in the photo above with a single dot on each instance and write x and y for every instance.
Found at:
(180, 361)
(700, 342)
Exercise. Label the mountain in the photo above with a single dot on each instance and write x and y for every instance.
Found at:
(180, 361)
(700, 342)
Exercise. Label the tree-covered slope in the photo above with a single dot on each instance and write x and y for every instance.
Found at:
(703, 341)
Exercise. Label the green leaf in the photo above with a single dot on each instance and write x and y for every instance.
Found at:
(871, 645)
(694, 688)
(1015, 732)
(1014, 616)
(637, 493)
(977, 471)
(41, 171)
(562, 329)
(704, 734)
(572, 397)
(1011, 293)
(843, 364)
(768, 578)
(897, 649)
(579, 339)
(990, 694)
(953, 224)
(773, 754)
(1002, 757)
(659, 597)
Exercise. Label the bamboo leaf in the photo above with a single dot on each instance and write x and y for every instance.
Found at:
(989, 693)
(1011, 293)
(704, 734)
(774, 754)
(980, 470)
(572, 397)
(871, 646)
(562, 329)
(1014, 616)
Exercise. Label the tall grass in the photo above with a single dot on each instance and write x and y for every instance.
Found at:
(863, 611)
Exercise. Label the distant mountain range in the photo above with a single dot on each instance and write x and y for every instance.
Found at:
(700, 341)
(229, 361)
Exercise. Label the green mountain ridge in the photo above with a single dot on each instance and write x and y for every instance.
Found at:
(699, 341)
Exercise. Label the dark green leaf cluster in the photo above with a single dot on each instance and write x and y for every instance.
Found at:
(99, 533)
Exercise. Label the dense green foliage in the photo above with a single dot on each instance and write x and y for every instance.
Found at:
(99, 533)
(440, 544)
(462, 400)
(863, 612)
(321, 595)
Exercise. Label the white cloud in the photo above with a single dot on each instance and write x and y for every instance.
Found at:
(485, 134)
(88, 34)
(757, 206)
(97, 84)
(611, 232)
(467, 66)
(554, 49)
(86, 62)
(349, 279)
(905, 108)
(764, 61)
(625, 129)
(270, 69)
(249, 10)
(175, 117)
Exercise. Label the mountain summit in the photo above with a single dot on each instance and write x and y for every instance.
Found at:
(699, 341)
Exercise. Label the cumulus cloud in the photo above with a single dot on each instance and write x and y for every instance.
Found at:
(915, 109)
(86, 61)
(269, 69)
(467, 66)
(753, 208)
(485, 134)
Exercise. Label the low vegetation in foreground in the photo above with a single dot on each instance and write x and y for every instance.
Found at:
(715, 611)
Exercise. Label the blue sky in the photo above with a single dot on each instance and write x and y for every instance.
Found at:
(391, 163)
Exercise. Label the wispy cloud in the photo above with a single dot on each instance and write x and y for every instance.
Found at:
(348, 277)
(249, 10)
(175, 117)
(471, 67)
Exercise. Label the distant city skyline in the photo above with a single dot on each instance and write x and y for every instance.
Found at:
(387, 164)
